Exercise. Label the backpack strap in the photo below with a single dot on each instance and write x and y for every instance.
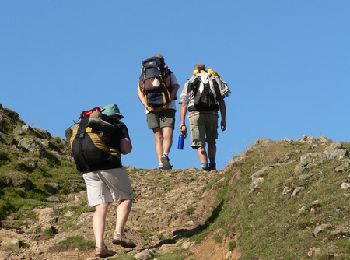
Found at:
(81, 135)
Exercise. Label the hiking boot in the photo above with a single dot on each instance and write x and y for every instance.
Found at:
(205, 168)
(166, 163)
(123, 241)
(212, 166)
(104, 252)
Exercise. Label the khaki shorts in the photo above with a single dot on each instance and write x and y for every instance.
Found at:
(203, 128)
(165, 118)
(106, 186)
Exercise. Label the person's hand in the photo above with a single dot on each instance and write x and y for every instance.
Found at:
(183, 130)
(148, 108)
(223, 126)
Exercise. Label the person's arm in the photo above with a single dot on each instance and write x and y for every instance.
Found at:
(174, 89)
(141, 97)
(174, 86)
(125, 145)
(222, 107)
(125, 141)
(183, 109)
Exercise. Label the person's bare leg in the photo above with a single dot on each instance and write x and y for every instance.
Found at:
(202, 155)
(123, 211)
(167, 139)
(158, 141)
(211, 149)
(99, 223)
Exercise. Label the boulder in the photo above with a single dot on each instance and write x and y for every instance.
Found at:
(47, 217)
(41, 133)
(27, 164)
(20, 180)
(321, 228)
(335, 151)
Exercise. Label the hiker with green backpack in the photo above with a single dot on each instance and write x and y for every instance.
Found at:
(97, 142)
(157, 90)
(203, 96)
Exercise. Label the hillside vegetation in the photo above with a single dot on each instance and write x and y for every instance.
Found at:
(285, 199)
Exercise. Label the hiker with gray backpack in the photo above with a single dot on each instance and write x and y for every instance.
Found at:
(203, 96)
(157, 90)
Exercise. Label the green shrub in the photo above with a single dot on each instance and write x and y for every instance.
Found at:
(190, 210)
(232, 245)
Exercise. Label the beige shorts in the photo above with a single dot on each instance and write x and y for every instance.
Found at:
(203, 128)
(106, 186)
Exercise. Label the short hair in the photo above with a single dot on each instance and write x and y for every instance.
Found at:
(158, 55)
(199, 67)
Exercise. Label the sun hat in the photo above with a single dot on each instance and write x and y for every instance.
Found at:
(111, 110)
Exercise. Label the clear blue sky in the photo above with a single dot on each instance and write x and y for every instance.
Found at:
(287, 62)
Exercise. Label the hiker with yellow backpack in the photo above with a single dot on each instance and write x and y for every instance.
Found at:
(157, 90)
(98, 140)
(203, 96)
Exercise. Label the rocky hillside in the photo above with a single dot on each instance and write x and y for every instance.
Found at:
(285, 199)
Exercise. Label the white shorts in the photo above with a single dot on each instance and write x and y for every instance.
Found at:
(106, 186)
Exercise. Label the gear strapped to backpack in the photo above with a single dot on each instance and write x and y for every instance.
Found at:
(155, 83)
(201, 92)
(90, 144)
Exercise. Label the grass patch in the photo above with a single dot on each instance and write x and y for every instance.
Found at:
(146, 234)
(174, 255)
(70, 243)
(217, 239)
(190, 210)
(231, 245)
(266, 222)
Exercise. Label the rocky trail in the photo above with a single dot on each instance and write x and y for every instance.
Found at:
(168, 207)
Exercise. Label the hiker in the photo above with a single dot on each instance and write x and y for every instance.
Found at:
(157, 90)
(97, 142)
(203, 96)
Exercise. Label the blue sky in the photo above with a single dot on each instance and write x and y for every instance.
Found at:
(287, 63)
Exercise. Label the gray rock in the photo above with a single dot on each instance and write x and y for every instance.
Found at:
(324, 140)
(344, 166)
(345, 185)
(307, 139)
(287, 140)
(335, 145)
(296, 191)
(286, 191)
(52, 199)
(47, 217)
(302, 210)
(20, 180)
(305, 177)
(255, 184)
(342, 231)
(41, 133)
(51, 188)
(144, 255)
(30, 145)
(314, 252)
(337, 154)
(261, 173)
(27, 164)
(321, 228)
(311, 159)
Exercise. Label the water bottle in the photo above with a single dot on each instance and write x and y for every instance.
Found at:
(180, 142)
